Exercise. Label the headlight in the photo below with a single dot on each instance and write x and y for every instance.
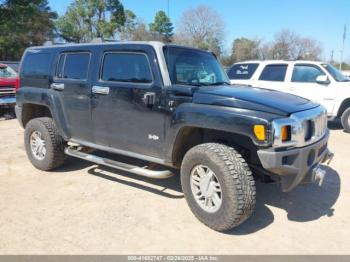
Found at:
(300, 129)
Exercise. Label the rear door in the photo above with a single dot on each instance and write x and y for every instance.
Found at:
(126, 101)
(73, 85)
(273, 77)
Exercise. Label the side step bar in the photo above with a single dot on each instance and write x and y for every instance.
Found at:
(142, 171)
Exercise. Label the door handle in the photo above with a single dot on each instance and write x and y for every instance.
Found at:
(102, 90)
(149, 98)
(57, 86)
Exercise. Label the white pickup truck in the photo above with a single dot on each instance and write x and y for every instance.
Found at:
(317, 81)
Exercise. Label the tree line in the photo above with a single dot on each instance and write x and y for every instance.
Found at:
(32, 22)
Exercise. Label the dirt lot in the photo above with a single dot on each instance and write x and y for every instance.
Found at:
(86, 209)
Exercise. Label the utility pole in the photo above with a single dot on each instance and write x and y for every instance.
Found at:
(343, 47)
(332, 56)
(169, 9)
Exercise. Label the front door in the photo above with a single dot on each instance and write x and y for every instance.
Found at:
(303, 83)
(126, 101)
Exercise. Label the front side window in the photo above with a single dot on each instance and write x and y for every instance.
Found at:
(126, 67)
(274, 73)
(242, 71)
(306, 73)
(193, 67)
(73, 66)
(7, 72)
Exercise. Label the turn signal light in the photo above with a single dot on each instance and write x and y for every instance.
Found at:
(260, 132)
(285, 133)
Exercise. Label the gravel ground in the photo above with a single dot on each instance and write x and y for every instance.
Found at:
(86, 209)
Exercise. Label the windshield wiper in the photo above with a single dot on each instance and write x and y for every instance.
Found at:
(220, 83)
(208, 84)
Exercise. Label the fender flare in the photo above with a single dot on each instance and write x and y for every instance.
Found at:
(47, 98)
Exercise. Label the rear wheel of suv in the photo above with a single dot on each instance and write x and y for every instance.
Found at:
(345, 120)
(44, 145)
(218, 186)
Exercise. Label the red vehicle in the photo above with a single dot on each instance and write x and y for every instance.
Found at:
(8, 86)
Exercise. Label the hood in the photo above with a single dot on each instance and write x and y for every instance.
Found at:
(251, 98)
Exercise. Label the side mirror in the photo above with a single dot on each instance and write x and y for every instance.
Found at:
(322, 79)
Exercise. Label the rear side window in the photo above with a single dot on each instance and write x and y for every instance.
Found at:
(306, 73)
(242, 71)
(73, 66)
(36, 65)
(126, 67)
(274, 73)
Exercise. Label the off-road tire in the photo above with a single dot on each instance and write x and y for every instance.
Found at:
(237, 185)
(55, 144)
(345, 120)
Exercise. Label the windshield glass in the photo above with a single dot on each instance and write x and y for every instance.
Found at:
(7, 72)
(193, 67)
(336, 74)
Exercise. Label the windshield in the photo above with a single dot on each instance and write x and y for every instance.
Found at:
(7, 72)
(193, 67)
(336, 74)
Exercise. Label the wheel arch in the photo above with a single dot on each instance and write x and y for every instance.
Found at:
(344, 105)
(190, 136)
(39, 102)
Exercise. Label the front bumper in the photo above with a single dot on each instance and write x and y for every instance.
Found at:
(295, 166)
(7, 101)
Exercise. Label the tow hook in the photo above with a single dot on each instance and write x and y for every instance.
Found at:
(318, 175)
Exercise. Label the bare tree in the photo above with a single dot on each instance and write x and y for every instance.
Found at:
(309, 49)
(288, 45)
(284, 45)
(201, 27)
(245, 49)
(134, 29)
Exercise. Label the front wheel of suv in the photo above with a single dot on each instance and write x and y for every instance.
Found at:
(43, 143)
(345, 120)
(218, 185)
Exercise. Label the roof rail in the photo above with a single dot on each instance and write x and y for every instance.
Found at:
(101, 40)
(48, 43)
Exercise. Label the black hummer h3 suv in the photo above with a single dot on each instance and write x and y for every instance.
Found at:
(173, 106)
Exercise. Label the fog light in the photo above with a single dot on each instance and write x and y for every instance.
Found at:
(260, 132)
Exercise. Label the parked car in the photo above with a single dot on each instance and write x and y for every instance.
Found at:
(8, 85)
(13, 64)
(153, 102)
(317, 81)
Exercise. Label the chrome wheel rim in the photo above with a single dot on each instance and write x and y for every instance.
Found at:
(37, 145)
(206, 188)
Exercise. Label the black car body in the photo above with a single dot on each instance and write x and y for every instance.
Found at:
(167, 104)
